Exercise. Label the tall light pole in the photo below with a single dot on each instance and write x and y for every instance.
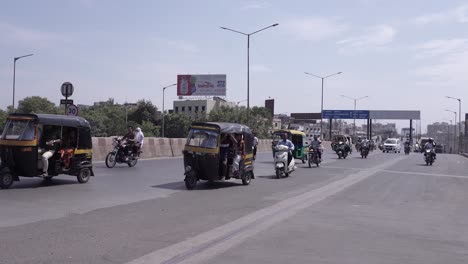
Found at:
(14, 75)
(355, 101)
(248, 57)
(459, 124)
(321, 108)
(454, 134)
(163, 111)
(126, 111)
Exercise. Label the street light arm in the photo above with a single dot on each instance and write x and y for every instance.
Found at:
(349, 97)
(17, 58)
(459, 99)
(164, 88)
(225, 28)
(332, 75)
(274, 25)
(314, 75)
(362, 97)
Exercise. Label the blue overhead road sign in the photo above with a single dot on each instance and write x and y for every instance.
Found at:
(345, 114)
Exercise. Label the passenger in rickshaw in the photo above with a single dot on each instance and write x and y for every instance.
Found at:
(68, 146)
(226, 146)
(240, 154)
(51, 139)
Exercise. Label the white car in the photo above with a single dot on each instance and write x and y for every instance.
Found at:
(392, 145)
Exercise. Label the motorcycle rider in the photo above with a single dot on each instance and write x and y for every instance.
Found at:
(286, 142)
(430, 145)
(407, 144)
(130, 141)
(316, 144)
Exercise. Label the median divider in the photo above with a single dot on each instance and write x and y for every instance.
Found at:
(157, 147)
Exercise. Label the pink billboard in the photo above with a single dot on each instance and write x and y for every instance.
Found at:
(201, 85)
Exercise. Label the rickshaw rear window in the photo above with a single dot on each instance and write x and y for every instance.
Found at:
(202, 138)
(22, 130)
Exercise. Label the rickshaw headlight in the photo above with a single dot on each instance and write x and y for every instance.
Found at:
(188, 168)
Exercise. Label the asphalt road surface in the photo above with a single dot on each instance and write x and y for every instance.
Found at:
(389, 208)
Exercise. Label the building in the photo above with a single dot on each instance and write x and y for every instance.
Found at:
(197, 108)
(405, 132)
(443, 134)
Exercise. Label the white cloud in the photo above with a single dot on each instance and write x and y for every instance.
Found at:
(374, 37)
(445, 61)
(439, 47)
(255, 5)
(183, 46)
(459, 14)
(315, 28)
(16, 35)
(260, 68)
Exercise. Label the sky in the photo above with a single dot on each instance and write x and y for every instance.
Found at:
(404, 55)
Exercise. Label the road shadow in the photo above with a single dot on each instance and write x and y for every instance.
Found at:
(267, 177)
(40, 183)
(201, 185)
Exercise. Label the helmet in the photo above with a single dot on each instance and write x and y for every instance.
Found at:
(315, 137)
(431, 140)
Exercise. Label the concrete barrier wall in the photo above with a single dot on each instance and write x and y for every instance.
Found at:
(157, 147)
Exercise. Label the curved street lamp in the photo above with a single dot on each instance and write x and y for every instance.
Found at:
(321, 108)
(355, 101)
(14, 75)
(248, 56)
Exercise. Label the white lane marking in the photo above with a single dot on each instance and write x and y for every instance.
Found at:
(200, 248)
(426, 174)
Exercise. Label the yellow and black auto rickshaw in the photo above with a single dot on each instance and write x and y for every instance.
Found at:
(211, 153)
(27, 138)
(298, 138)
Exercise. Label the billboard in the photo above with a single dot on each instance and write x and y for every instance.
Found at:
(201, 85)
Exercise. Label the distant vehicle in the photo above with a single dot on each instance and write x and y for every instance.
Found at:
(392, 145)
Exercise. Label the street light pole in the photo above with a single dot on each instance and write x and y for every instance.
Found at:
(248, 57)
(14, 75)
(355, 102)
(459, 124)
(163, 112)
(454, 134)
(321, 107)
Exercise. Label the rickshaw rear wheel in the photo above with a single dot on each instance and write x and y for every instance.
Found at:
(6, 180)
(247, 178)
(190, 181)
(83, 176)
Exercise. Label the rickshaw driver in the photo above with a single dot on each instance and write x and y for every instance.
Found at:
(50, 147)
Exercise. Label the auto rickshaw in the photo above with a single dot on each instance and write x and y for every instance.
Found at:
(208, 157)
(341, 138)
(23, 143)
(298, 138)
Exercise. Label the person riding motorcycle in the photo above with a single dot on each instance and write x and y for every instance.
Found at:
(286, 142)
(130, 141)
(316, 144)
(430, 145)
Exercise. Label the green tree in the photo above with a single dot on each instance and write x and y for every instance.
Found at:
(3, 116)
(177, 125)
(259, 121)
(36, 105)
(106, 118)
(149, 129)
(145, 111)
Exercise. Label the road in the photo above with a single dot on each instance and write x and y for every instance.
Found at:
(389, 208)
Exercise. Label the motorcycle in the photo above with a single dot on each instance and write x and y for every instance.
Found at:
(314, 157)
(120, 154)
(364, 151)
(407, 150)
(429, 157)
(341, 151)
(281, 162)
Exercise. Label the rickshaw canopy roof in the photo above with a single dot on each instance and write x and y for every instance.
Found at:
(290, 131)
(55, 120)
(231, 128)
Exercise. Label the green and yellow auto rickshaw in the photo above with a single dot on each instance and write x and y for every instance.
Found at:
(298, 138)
(211, 153)
(24, 141)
